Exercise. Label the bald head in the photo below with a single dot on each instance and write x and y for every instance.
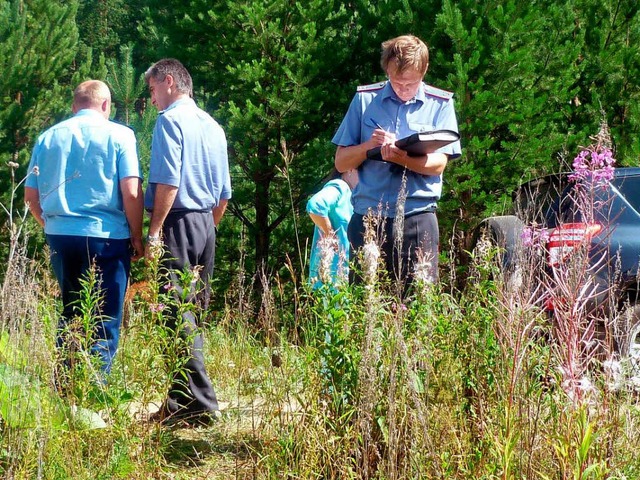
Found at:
(92, 94)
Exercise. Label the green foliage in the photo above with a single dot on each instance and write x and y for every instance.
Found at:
(25, 402)
(126, 84)
(515, 67)
(270, 68)
(104, 25)
(36, 52)
(38, 41)
(336, 335)
(609, 67)
(454, 387)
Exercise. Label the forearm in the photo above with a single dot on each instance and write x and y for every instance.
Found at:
(348, 158)
(322, 223)
(32, 200)
(430, 164)
(133, 204)
(164, 198)
(218, 211)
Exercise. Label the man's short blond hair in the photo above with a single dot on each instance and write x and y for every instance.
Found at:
(403, 53)
(91, 94)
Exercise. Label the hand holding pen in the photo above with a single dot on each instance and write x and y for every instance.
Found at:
(380, 136)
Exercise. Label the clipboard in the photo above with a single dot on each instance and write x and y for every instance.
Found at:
(418, 144)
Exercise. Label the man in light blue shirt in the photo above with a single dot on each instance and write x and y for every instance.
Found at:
(380, 114)
(189, 187)
(84, 188)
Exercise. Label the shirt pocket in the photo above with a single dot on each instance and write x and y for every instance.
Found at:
(374, 123)
(418, 127)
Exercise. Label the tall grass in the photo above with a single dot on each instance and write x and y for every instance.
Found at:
(339, 383)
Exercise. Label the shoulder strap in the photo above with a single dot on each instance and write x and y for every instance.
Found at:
(372, 87)
(437, 92)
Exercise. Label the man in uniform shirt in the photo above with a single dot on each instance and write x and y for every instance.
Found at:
(189, 186)
(380, 114)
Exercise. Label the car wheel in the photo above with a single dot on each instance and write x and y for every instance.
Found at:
(505, 233)
(628, 340)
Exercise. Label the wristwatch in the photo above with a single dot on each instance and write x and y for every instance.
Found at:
(153, 238)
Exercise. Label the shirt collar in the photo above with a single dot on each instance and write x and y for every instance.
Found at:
(387, 92)
(177, 103)
(88, 112)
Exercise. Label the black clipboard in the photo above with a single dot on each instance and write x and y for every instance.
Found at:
(419, 144)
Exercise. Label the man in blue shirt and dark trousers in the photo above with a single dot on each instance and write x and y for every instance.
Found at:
(402, 191)
(84, 187)
(189, 187)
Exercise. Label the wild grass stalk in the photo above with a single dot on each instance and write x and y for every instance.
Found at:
(349, 382)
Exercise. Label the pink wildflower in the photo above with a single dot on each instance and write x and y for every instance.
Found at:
(594, 164)
(156, 307)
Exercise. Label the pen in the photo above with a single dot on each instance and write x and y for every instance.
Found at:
(378, 125)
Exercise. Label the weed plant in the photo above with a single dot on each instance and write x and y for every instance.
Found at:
(337, 383)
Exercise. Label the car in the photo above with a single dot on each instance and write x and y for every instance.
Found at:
(590, 228)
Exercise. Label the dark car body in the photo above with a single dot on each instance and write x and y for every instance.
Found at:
(600, 221)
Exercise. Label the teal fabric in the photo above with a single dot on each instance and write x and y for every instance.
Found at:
(334, 202)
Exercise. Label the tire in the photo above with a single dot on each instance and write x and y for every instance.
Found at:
(505, 233)
(628, 338)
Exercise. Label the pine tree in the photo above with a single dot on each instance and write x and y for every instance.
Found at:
(38, 44)
(514, 73)
(271, 72)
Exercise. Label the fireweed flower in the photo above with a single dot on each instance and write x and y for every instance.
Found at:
(593, 164)
(156, 307)
(195, 273)
(423, 269)
(527, 237)
(371, 249)
(397, 307)
(343, 268)
(371, 256)
(534, 237)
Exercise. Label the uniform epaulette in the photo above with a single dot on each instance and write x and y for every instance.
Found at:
(437, 92)
(372, 87)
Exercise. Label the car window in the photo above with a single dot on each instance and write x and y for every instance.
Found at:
(629, 187)
(534, 199)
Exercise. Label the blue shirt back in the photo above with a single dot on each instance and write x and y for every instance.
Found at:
(189, 151)
(80, 163)
(379, 183)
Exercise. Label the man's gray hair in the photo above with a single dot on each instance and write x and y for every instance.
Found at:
(170, 66)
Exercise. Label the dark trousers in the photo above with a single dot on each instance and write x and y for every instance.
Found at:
(190, 239)
(418, 251)
(71, 259)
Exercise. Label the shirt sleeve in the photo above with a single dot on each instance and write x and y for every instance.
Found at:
(32, 177)
(448, 121)
(225, 193)
(326, 199)
(128, 164)
(348, 132)
(166, 153)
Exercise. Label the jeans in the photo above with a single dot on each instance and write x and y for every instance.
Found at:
(71, 259)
